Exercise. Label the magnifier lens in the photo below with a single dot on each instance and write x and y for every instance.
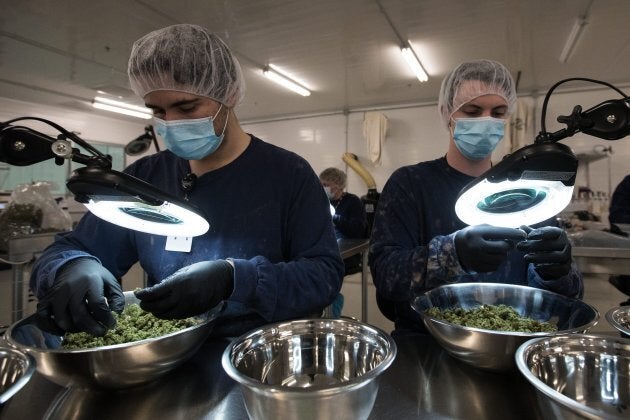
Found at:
(510, 201)
(150, 215)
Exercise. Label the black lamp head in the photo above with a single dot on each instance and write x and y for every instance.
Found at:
(113, 196)
(526, 187)
(536, 182)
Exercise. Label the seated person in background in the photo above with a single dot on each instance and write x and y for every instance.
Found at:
(270, 253)
(619, 212)
(349, 219)
(418, 243)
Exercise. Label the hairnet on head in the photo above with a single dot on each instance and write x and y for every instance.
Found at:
(334, 176)
(186, 58)
(495, 78)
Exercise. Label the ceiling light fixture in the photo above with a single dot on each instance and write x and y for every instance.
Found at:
(405, 48)
(122, 108)
(414, 62)
(572, 40)
(274, 74)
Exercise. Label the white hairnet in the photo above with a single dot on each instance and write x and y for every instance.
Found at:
(189, 59)
(495, 78)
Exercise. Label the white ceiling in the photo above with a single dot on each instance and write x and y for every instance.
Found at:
(59, 52)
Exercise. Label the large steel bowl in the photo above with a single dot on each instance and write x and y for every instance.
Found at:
(619, 317)
(16, 368)
(578, 376)
(310, 369)
(110, 367)
(494, 350)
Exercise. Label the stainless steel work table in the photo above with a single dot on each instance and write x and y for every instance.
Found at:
(21, 251)
(348, 248)
(422, 382)
(600, 260)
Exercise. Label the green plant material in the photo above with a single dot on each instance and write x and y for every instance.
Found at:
(133, 324)
(492, 317)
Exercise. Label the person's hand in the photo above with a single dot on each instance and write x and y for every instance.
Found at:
(82, 298)
(549, 249)
(189, 291)
(482, 248)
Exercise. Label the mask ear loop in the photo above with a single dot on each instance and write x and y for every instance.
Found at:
(227, 117)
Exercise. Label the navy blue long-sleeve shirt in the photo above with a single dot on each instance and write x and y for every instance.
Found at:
(412, 246)
(267, 212)
(349, 219)
(619, 211)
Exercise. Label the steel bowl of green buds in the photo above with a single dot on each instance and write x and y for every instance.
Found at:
(483, 324)
(139, 349)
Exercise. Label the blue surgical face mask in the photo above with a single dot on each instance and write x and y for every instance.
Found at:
(329, 193)
(190, 139)
(476, 138)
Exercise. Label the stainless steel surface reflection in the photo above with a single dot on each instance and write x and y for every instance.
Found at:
(422, 382)
(16, 369)
(113, 367)
(310, 369)
(619, 317)
(494, 350)
(579, 376)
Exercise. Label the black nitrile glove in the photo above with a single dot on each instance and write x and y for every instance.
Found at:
(549, 249)
(82, 298)
(189, 291)
(482, 248)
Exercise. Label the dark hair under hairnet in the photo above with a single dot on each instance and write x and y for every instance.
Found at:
(496, 80)
(186, 58)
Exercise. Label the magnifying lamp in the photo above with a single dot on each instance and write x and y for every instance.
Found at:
(111, 195)
(536, 182)
(142, 143)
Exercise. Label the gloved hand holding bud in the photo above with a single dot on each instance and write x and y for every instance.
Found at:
(81, 298)
(549, 249)
(482, 248)
(189, 291)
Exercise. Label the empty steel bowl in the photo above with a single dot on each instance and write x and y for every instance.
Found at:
(310, 369)
(578, 376)
(16, 368)
(116, 366)
(619, 317)
(494, 350)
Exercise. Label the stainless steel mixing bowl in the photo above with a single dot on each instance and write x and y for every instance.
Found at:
(310, 369)
(113, 367)
(578, 376)
(16, 368)
(494, 350)
(619, 317)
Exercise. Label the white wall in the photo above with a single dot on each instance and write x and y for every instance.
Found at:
(88, 126)
(417, 134)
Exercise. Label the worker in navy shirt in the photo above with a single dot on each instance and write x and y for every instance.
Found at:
(270, 253)
(418, 243)
(349, 216)
(349, 219)
(619, 213)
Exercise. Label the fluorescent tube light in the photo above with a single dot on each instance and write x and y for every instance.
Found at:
(272, 73)
(122, 108)
(572, 40)
(414, 63)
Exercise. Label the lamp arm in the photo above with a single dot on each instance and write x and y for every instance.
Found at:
(23, 146)
(609, 120)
